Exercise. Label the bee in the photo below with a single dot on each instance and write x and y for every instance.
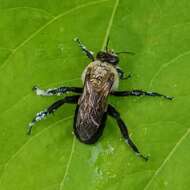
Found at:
(100, 79)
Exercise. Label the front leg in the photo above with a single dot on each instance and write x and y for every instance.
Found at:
(88, 53)
(139, 93)
(56, 91)
(121, 74)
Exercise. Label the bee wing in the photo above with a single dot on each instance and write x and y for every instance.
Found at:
(92, 110)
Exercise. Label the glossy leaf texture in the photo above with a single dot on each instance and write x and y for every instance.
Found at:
(37, 48)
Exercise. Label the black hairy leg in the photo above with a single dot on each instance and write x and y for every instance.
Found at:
(122, 75)
(56, 91)
(43, 114)
(123, 128)
(139, 93)
(88, 53)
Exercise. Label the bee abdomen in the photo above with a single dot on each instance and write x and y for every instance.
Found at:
(88, 126)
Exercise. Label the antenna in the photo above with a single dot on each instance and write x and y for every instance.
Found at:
(127, 52)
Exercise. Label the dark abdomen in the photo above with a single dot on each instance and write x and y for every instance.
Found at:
(86, 129)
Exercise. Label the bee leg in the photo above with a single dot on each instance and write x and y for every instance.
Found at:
(139, 93)
(56, 91)
(84, 49)
(43, 114)
(128, 76)
(122, 75)
(115, 114)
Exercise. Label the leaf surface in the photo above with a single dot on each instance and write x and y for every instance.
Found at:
(37, 48)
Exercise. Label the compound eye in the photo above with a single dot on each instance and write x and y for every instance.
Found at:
(112, 61)
(115, 60)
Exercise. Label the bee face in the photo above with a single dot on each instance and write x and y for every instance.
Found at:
(108, 57)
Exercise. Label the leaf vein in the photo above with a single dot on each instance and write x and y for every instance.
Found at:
(25, 96)
(104, 42)
(32, 8)
(28, 141)
(46, 25)
(110, 24)
(167, 158)
(68, 163)
(166, 65)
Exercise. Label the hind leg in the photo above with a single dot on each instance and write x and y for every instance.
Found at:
(43, 114)
(115, 114)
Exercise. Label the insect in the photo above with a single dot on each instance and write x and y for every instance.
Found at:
(100, 79)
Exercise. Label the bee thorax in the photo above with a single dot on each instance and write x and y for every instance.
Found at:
(100, 73)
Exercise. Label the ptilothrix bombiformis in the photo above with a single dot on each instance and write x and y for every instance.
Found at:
(100, 79)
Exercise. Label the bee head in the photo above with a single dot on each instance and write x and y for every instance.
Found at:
(108, 57)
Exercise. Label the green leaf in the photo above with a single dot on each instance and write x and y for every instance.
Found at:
(37, 48)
